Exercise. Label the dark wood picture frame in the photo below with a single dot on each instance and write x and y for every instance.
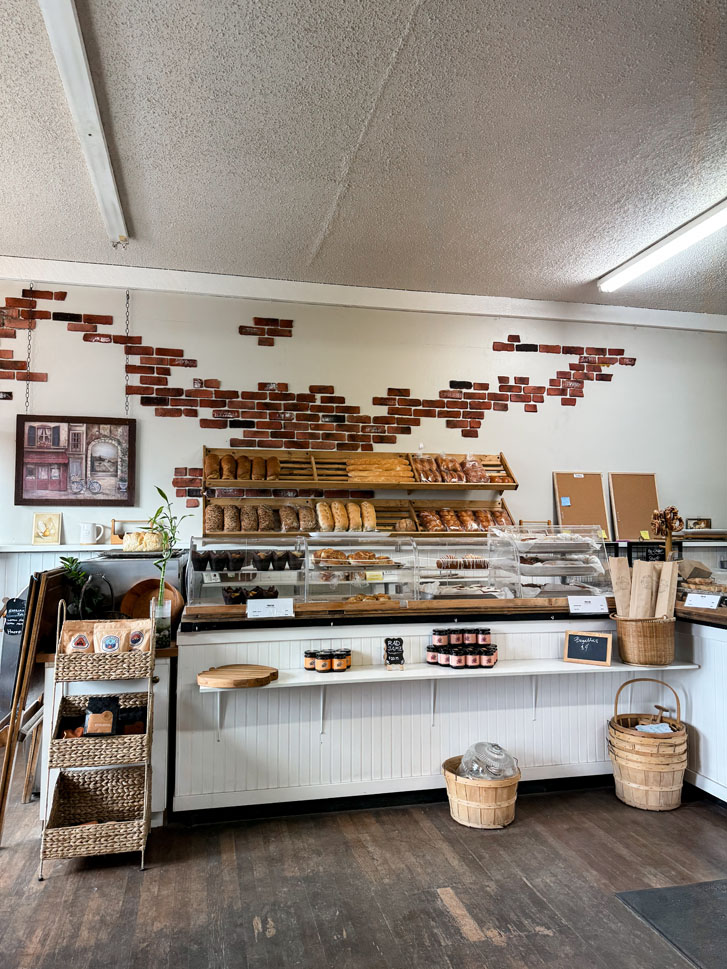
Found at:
(91, 492)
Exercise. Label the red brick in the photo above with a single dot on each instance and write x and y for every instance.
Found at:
(497, 397)
(265, 321)
(126, 340)
(576, 366)
(249, 330)
(522, 380)
(68, 317)
(135, 389)
(6, 354)
(276, 396)
(213, 384)
(154, 381)
(265, 341)
(38, 293)
(321, 389)
(384, 401)
(627, 361)
(503, 346)
(585, 358)
(137, 350)
(563, 374)
(513, 338)
(588, 376)
(175, 392)
(276, 331)
(7, 375)
(212, 423)
(252, 395)
(98, 320)
(18, 302)
(225, 394)
(596, 350)
(568, 401)
(6, 333)
(348, 410)
(168, 352)
(615, 352)
(556, 392)
(538, 398)
(180, 492)
(133, 368)
(31, 376)
(607, 361)
(206, 403)
(579, 377)
(164, 371)
(432, 403)
(179, 362)
(269, 425)
(272, 386)
(475, 423)
(13, 365)
(476, 396)
(268, 405)
(470, 433)
(95, 338)
(401, 411)
(192, 502)
(384, 439)
(573, 392)
(554, 383)
(189, 412)
(604, 376)
(305, 398)
(23, 324)
(549, 347)
(199, 393)
(452, 423)
(288, 324)
(40, 314)
(520, 398)
(577, 350)
(425, 412)
(593, 368)
(476, 386)
(168, 412)
(450, 394)
(80, 327)
(536, 390)
(476, 414)
(399, 392)
(60, 294)
(531, 408)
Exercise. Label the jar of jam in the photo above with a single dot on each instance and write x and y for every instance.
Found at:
(443, 655)
(458, 659)
(432, 655)
(324, 661)
(309, 659)
(470, 637)
(455, 637)
(348, 658)
(339, 661)
(473, 656)
(440, 637)
(484, 637)
(489, 656)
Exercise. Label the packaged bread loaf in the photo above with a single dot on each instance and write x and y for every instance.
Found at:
(258, 469)
(272, 469)
(450, 469)
(244, 468)
(212, 466)
(76, 636)
(368, 516)
(248, 518)
(404, 525)
(288, 519)
(468, 520)
(340, 517)
(500, 517)
(473, 470)
(228, 467)
(214, 520)
(324, 516)
(231, 518)
(483, 518)
(307, 518)
(426, 468)
(111, 637)
(430, 521)
(451, 522)
(354, 516)
(266, 517)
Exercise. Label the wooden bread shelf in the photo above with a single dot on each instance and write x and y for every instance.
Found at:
(333, 469)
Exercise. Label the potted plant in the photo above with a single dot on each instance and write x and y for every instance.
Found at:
(166, 523)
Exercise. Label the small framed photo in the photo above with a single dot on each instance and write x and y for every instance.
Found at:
(699, 522)
(47, 528)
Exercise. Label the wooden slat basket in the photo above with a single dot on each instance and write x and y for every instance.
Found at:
(648, 768)
(479, 803)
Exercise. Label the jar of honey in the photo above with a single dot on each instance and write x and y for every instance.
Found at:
(324, 661)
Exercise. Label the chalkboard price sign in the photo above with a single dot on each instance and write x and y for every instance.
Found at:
(591, 648)
(14, 617)
(394, 652)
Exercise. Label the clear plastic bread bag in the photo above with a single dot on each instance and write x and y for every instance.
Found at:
(487, 761)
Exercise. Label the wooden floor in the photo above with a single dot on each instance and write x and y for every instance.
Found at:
(379, 889)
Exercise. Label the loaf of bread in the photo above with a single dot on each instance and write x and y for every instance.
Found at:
(324, 516)
(368, 516)
(258, 469)
(354, 517)
(142, 542)
(266, 518)
(288, 518)
(340, 517)
(212, 466)
(214, 519)
(404, 525)
(228, 467)
(307, 518)
(231, 518)
(272, 469)
(467, 520)
(248, 518)
(244, 468)
(483, 518)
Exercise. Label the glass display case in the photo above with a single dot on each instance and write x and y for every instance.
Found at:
(551, 560)
(460, 569)
(362, 569)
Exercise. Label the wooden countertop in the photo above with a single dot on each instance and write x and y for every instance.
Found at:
(710, 617)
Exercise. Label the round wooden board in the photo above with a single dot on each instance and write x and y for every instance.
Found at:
(237, 676)
(135, 603)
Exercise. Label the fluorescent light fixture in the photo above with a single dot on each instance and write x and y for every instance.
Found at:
(704, 225)
(66, 40)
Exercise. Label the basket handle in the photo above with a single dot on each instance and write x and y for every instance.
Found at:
(647, 679)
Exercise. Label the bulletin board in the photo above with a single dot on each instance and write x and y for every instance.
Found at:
(579, 499)
(633, 500)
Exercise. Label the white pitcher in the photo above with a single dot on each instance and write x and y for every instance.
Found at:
(90, 533)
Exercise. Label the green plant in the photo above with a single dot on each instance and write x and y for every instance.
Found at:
(167, 524)
(79, 581)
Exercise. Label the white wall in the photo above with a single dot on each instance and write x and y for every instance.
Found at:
(665, 414)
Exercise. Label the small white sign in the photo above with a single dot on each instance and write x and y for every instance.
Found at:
(269, 608)
(699, 600)
(210, 577)
(588, 604)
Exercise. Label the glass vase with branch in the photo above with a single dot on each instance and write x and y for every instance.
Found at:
(166, 524)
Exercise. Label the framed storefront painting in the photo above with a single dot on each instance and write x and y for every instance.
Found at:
(75, 461)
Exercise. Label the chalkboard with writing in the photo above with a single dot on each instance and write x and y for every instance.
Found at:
(10, 651)
(394, 652)
(591, 648)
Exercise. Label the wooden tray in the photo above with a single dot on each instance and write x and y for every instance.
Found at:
(435, 505)
(388, 512)
(237, 676)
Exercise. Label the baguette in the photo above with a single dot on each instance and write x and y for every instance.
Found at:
(340, 518)
(368, 516)
(354, 516)
(212, 466)
(324, 516)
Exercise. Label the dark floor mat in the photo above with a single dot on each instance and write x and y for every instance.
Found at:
(692, 917)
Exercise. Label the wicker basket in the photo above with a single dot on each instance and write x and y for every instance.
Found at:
(645, 642)
(98, 751)
(102, 666)
(113, 797)
(479, 803)
(648, 768)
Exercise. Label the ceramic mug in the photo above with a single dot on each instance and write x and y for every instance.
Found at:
(90, 533)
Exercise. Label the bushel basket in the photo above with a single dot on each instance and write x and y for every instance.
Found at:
(648, 768)
(645, 642)
(477, 802)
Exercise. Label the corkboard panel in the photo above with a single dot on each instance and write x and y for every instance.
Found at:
(587, 501)
(633, 500)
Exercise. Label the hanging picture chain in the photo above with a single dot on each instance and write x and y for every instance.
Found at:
(27, 369)
(126, 360)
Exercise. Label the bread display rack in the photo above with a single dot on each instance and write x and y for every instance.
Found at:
(346, 469)
(101, 802)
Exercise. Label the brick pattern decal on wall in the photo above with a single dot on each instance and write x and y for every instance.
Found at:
(266, 329)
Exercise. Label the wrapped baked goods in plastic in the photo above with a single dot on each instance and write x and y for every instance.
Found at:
(474, 471)
(487, 761)
(450, 469)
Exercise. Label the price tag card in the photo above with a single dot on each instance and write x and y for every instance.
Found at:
(210, 577)
(374, 576)
(700, 600)
(269, 608)
(593, 605)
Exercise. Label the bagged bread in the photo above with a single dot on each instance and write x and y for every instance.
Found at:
(77, 636)
(111, 637)
(214, 518)
(307, 518)
(231, 518)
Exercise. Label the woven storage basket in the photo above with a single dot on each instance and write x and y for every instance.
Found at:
(645, 642)
(113, 797)
(479, 803)
(101, 666)
(98, 751)
(648, 768)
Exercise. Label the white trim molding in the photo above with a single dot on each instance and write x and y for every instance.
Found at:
(103, 275)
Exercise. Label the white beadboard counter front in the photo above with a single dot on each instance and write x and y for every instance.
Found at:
(373, 731)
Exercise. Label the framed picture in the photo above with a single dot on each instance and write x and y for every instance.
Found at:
(75, 461)
(699, 522)
(47, 528)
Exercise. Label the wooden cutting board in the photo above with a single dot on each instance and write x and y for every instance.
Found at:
(237, 676)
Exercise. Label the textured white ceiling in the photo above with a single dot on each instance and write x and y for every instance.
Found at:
(518, 149)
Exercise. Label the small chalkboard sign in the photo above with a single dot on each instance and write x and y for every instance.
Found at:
(14, 617)
(394, 652)
(591, 648)
(654, 552)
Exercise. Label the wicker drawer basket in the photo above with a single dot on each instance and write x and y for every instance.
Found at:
(101, 666)
(113, 797)
(98, 751)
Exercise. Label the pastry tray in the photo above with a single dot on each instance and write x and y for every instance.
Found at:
(547, 568)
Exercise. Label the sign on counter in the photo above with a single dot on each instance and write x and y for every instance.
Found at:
(269, 608)
(700, 600)
(591, 648)
(592, 605)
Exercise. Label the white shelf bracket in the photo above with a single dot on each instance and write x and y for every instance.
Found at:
(218, 709)
(534, 681)
(433, 697)
(323, 710)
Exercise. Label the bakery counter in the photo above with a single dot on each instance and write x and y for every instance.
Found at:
(707, 617)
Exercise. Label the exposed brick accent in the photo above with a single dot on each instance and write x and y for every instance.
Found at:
(98, 320)
(31, 376)
(60, 294)
(95, 337)
(37, 294)
(265, 341)
(18, 302)
(68, 317)
(81, 328)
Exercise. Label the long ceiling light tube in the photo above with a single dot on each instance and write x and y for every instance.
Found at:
(704, 225)
(66, 39)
